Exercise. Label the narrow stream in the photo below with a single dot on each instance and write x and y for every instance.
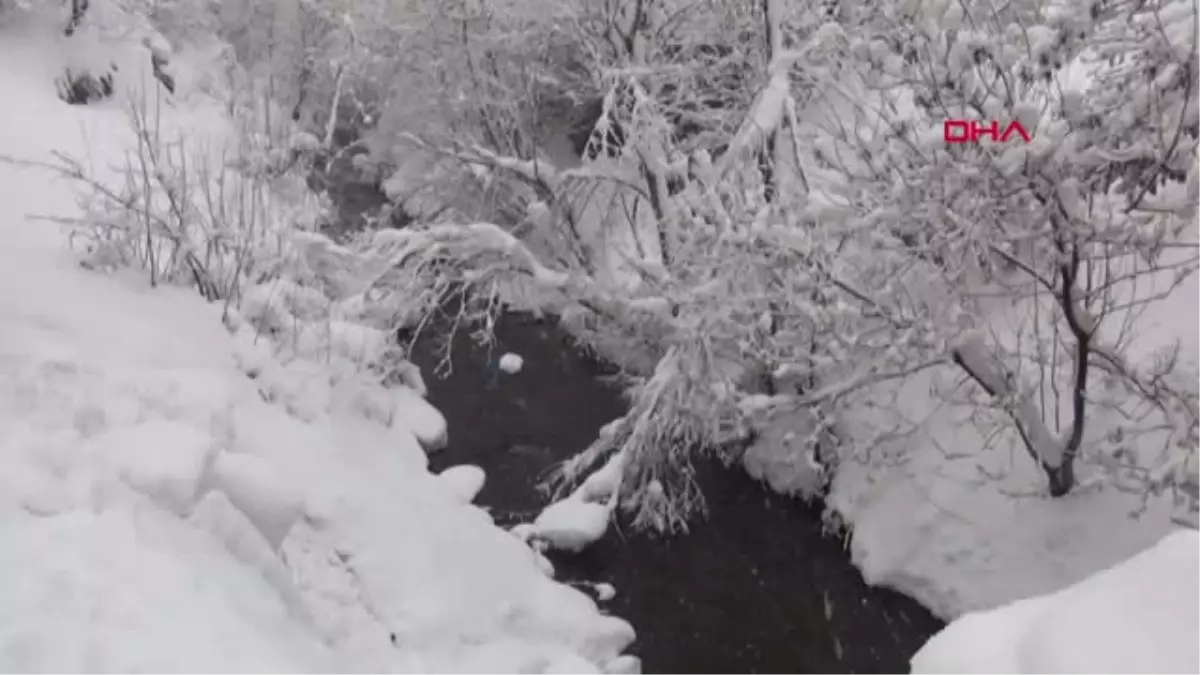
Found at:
(755, 588)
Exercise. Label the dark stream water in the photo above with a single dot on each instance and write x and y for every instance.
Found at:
(756, 588)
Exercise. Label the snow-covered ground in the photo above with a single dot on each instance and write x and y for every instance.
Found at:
(966, 525)
(156, 514)
(1140, 616)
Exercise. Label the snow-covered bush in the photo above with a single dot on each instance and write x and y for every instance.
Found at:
(1080, 229)
(697, 332)
(188, 213)
(838, 239)
(764, 225)
(229, 214)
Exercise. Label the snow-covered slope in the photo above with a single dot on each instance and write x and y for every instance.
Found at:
(131, 529)
(965, 523)
(1140, 616)
(963, 529)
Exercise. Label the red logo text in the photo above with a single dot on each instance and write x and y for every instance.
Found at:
(970, 131)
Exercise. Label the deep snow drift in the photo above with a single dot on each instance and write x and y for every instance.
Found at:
(1140, 616)
(966, 525)
(156, 514)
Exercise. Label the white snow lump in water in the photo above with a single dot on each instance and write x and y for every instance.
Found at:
(511, 363)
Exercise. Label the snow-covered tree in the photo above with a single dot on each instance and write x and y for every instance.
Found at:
(1077, 230)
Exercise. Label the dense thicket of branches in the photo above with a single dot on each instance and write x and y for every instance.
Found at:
(750, 206)
(798, 231)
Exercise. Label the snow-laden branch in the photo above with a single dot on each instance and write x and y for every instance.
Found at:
(764, 118)
(472, 254)
(539, 174)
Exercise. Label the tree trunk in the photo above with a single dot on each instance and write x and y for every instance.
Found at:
(1055, 457)
(769, 159)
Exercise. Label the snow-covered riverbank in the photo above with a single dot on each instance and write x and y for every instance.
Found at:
(145, 475)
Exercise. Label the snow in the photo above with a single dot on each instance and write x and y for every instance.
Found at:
(129, 588)
(780, 457)
(571, 665)
(254, 487)
(605, 592)
(571, 524)
(581, 518)
(463, 481)
(1140, 616)
(624, 665)
(228, 524)
(601, 484)
(148, 482)
(511, 363)
(421, 418)
(941, 530)
(174, 479)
